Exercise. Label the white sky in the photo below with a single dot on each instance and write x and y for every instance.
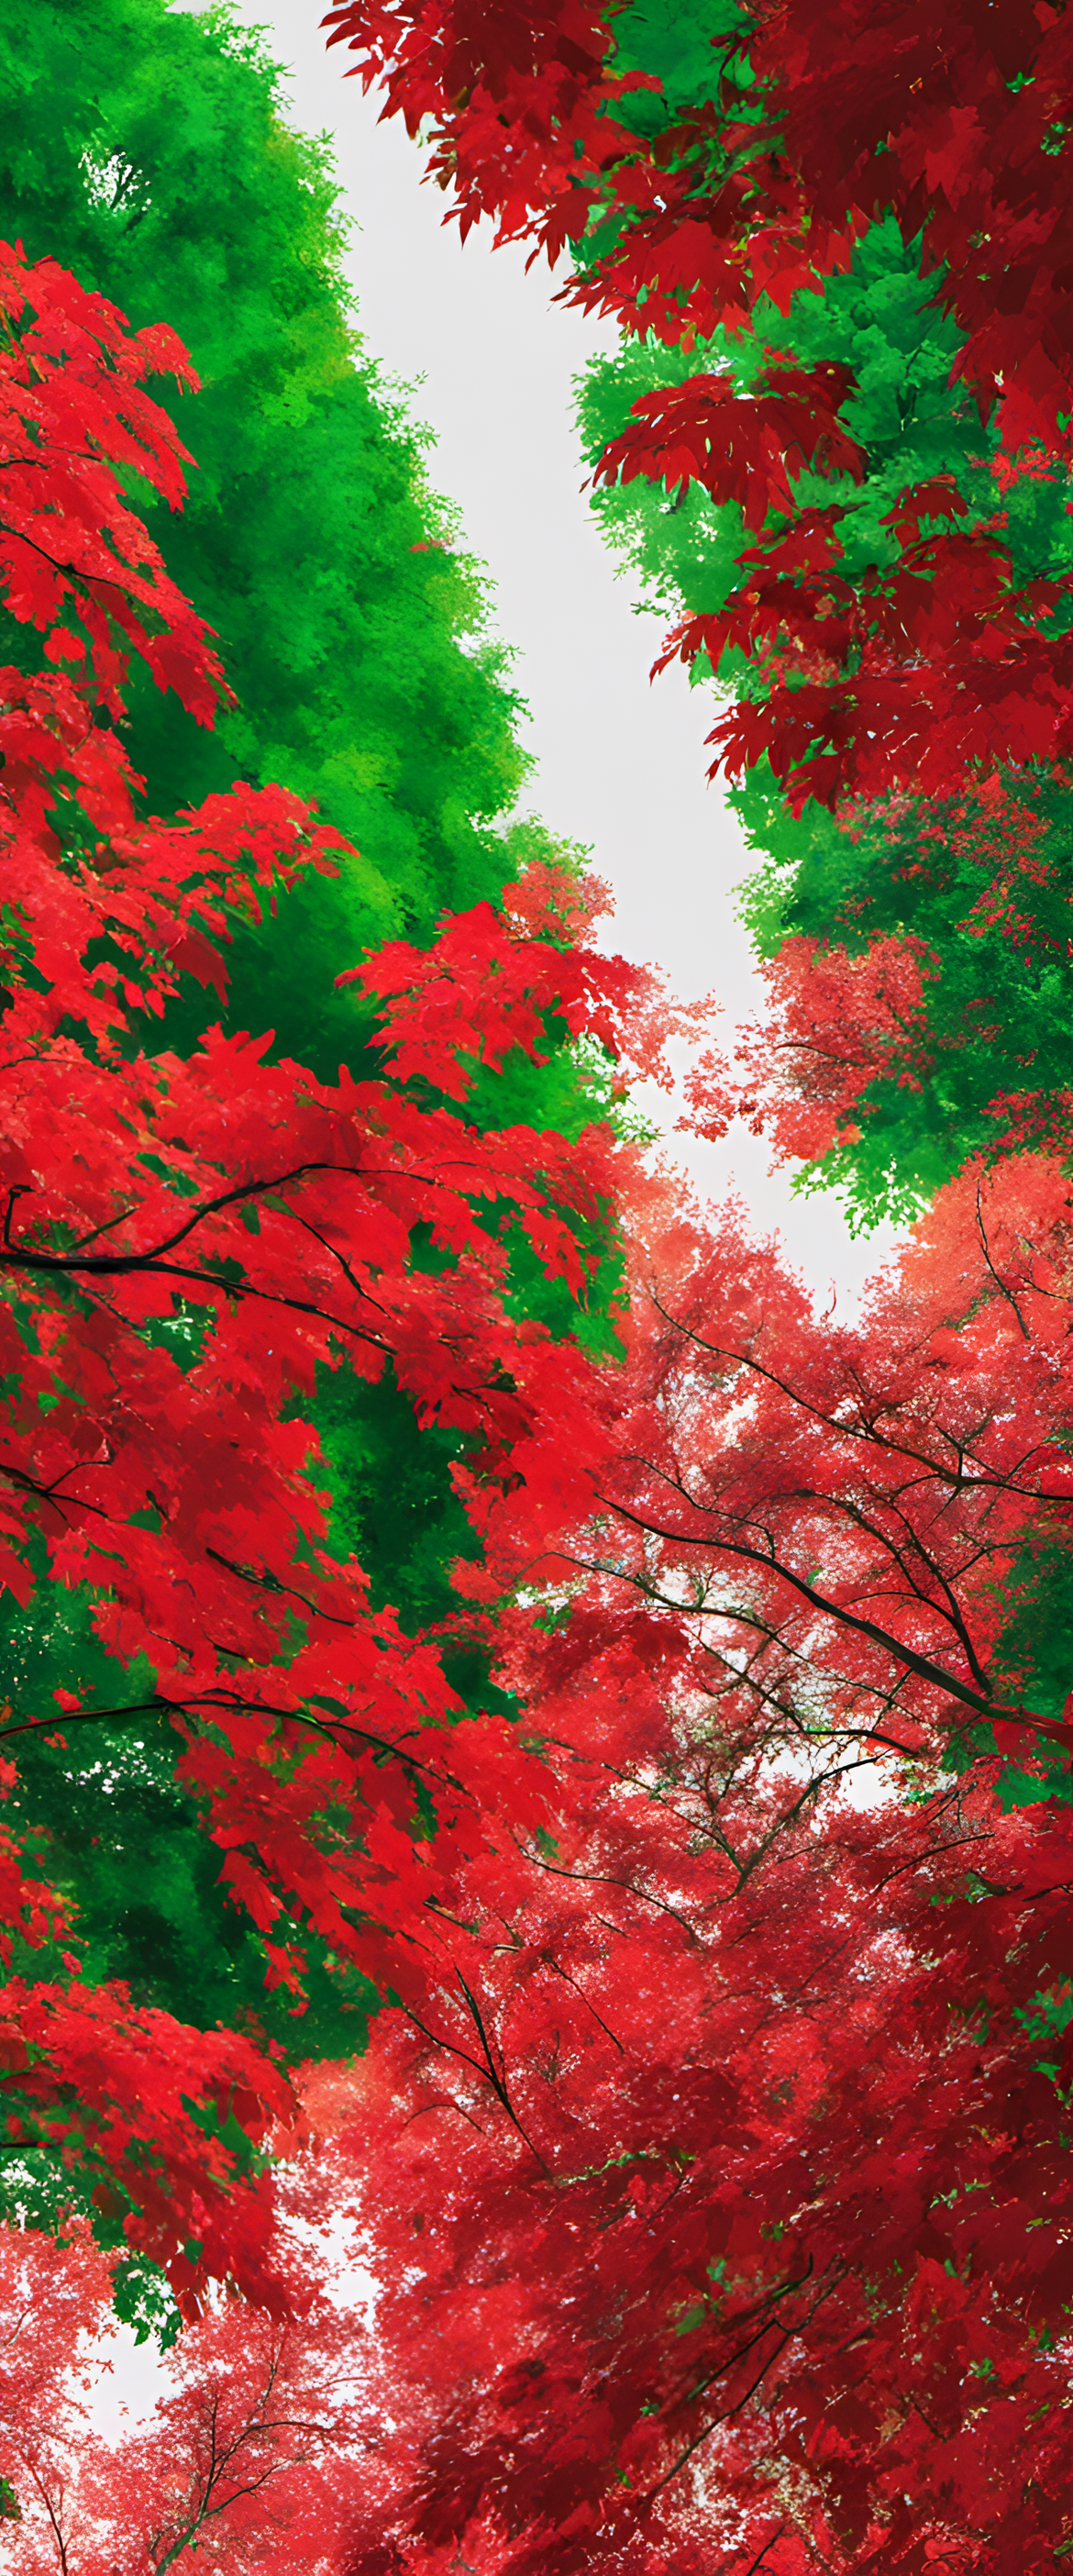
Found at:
(490, 363)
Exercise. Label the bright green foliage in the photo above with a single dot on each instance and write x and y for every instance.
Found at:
(403, 1522)
(144, 150)
(142, 2298)
(683, 49)
(125, 1845)
(1030, 1661)
(684, 550)
(996, 1015)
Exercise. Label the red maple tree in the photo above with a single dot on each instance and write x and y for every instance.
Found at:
(245, 2453)
(815, 121)
(183, 1243)
(955, 123)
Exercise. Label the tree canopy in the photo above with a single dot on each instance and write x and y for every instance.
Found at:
(537, 1765)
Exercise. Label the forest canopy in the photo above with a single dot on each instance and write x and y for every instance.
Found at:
(538, 1833)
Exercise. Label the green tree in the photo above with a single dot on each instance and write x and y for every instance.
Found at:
(985, 882)
(147, 151)
(995, 1004)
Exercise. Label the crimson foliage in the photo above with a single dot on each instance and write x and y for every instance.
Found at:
(162, 1217)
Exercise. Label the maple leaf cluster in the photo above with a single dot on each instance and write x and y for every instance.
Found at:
(807, 123)
(523, 102)
(714, 222)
